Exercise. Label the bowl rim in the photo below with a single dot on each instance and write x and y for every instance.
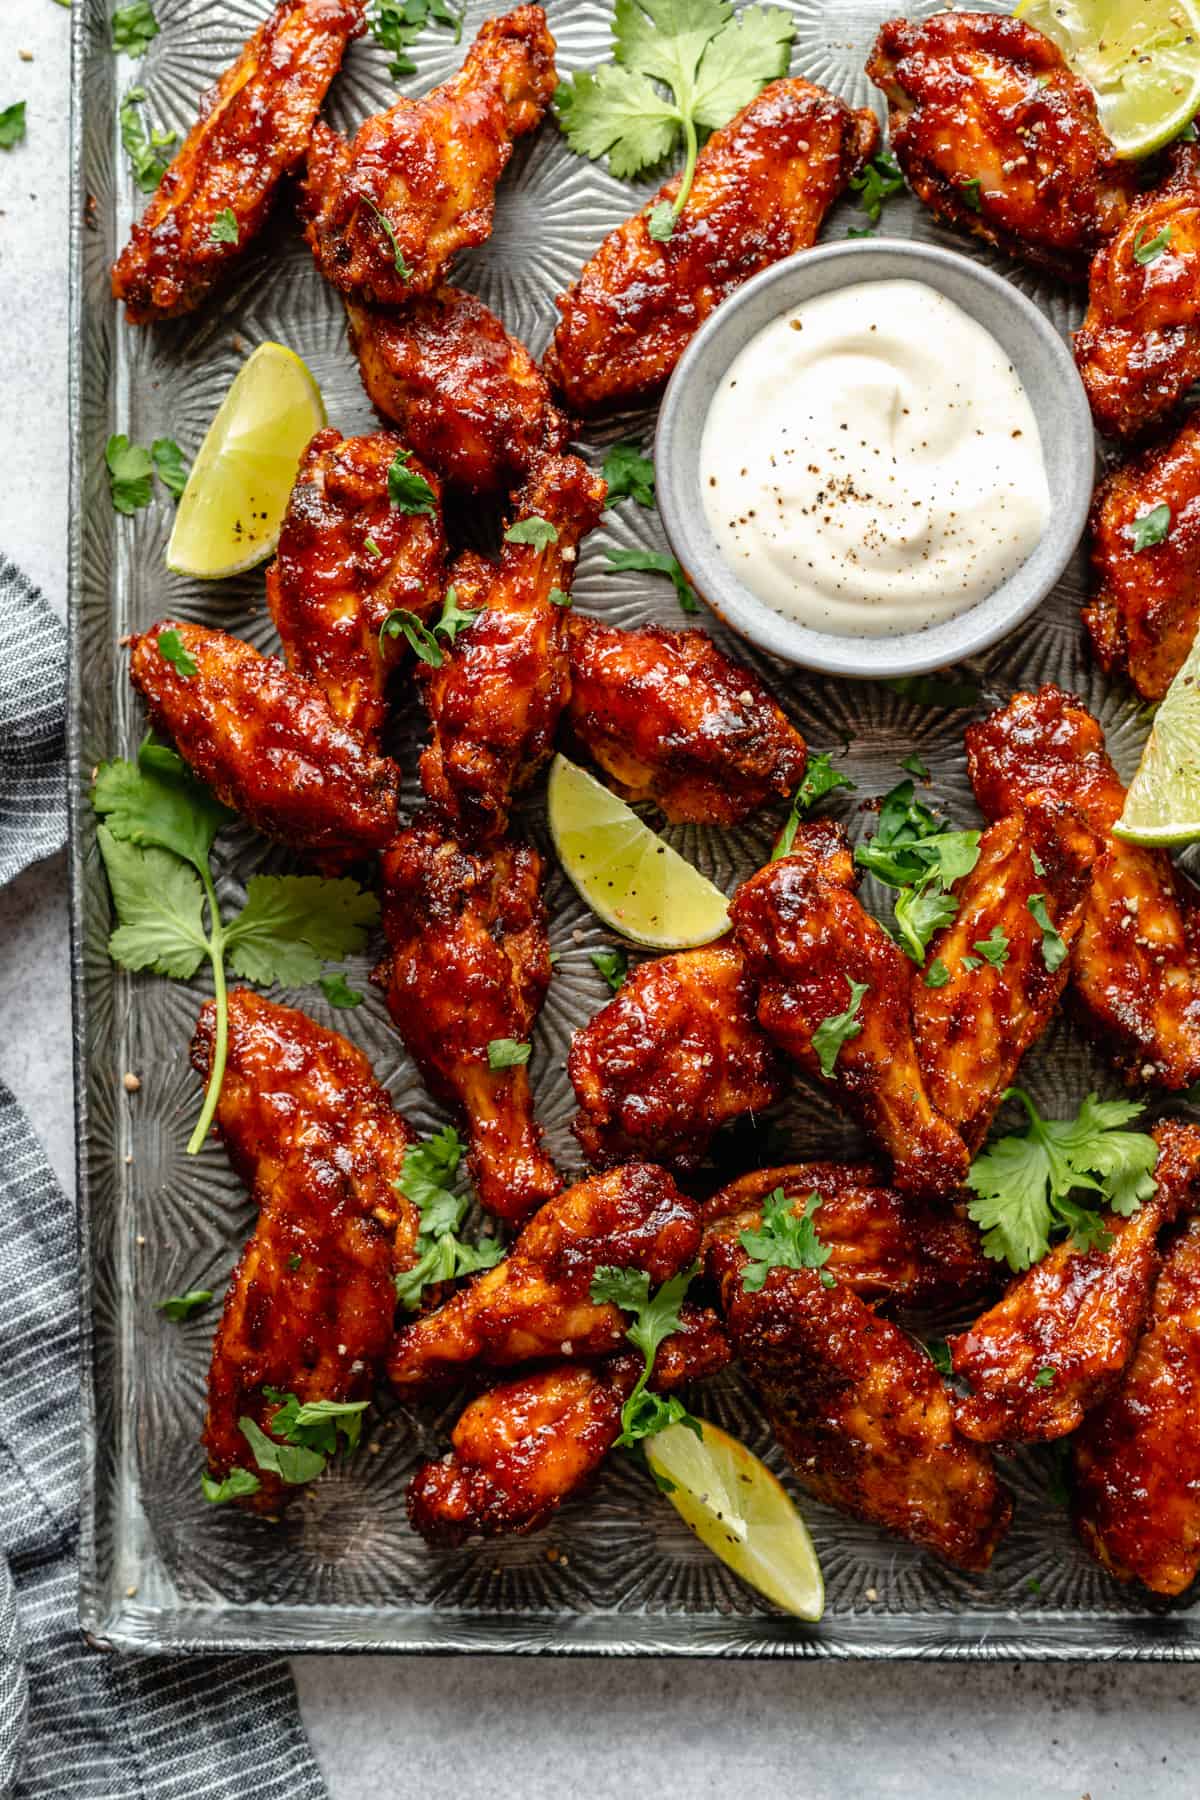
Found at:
(1071, 477)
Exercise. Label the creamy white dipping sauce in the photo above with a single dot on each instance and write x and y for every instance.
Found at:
(871, 463)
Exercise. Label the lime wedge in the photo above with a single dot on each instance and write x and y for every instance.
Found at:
(737, 1509)
(237, 493)
(637, 884)
(1162, 807)
(1141, 57)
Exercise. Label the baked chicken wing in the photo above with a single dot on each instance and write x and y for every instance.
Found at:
(860, 1410)
(1059, 1340)
(1145, 609)
(254, 127)
(763, 185)
(972, 1032)
(670, 719)
(318, 1143)
(537, 1303)
(1135, 965)
(266, 741)
(819, 958)
(469, 967)
(465, 394)
(526, 1445)
(495, 701)
(387, 212)
(676, 1054)
(347, 557)
(1138, 349)
(886, 1246)
(1137, 1458)
(995, 134)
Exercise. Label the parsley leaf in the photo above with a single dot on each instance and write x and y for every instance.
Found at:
(172, 649)
(181, 1306)
(1144, 252)
(657, 562)
(224, 228)
(130, 474)
(402, 623)
(134, 27)
(408, 491)
(143, 148)
(654, 1319)
(396, 25)
(994, 948)
(507, 1053)
(820, 778)
(237, 1484)
(338, 991)
(875, 183)
(1022, 1186)
(440, 1255)
(291, 924)
(12, 125)
(1150, 528)
(838, 1029)
(538, 532)
(613, 965)
(1054, 951)
(629, 474)
(169, 465)
(455, 618)
(786, 1239)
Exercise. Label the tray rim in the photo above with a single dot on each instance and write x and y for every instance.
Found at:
(188, 1630)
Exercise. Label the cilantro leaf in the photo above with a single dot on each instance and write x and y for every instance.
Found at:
(12, 125)
(838, 1029)
(224, 228)
(236, 1485)
(507, 1053)
(654, 1318)
(619, 113)
(628, 474)
(134, 27)
(916, 766)
(291, 924)
(994, 948)
(920, 912)
(172, 649)
(159, 903)
(820, 778)
(1046, 1376)
(657, 562)
(876, 182)
(130, 474)
(556, 597)
(937, 974)
(168, 461)
(1054, 950)
(939, 1355)
(455, 618)
(737, 64)
(613, 965)
(293, 1463)
(181, 1306)
(337, 990)
(439, 1254)
(402, 623)
(408, 491)
(157, 800)
(1150, 528)
(786, 1239)
(396, 25)
(538, 532)
(913, 850)
(143, 147)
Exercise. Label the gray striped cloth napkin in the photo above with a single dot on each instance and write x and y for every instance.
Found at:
(76, 1723)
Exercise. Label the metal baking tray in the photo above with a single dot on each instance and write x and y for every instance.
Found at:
(617, 1573)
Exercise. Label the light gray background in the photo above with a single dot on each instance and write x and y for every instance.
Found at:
(497, 1726)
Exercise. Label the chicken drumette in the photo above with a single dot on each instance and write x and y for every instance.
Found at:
(347, 557)
(763, 185)
(468, 970)
(387, 212)
(996, 134)
(255, 125)
(318, 1143)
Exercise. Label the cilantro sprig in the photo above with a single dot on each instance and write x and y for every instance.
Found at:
(820, 778)
(1025, 1188)
(915, 852)
(680, 68)
(440, 1254)
(396, 25)
(654, 1318)
(303, 1435)
(159, 826)
(786, 1239)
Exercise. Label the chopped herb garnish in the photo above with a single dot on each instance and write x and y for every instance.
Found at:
(169, 465)
(916, 767)
(1054, 951)
(993, 948)
(557, 597)
(507, 1053)
(1045, 1377)
(399, 261)
(236, 1486)
(338, 991)
(12, 125)
(538, 532)
(786, 1239)
(408, 491)
(874, 184)
(455, 618)
(970, 191)
(820, 778)
(143, 148)
(396, 25)
(224, 228)
(1147, 252)
(657, 562)
(181, 1306)
(402, 623)
(629, 475)
(1150, 528)
(654, 1319)
(915, 851)
(439, 1255)
(939, 1355)
(838, 1029)
(613, 965)
(134, 27)
(370, 544)
(172, 649)
(130, 474)
(937, 974)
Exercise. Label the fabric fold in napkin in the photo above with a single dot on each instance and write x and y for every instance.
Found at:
(78, 1723)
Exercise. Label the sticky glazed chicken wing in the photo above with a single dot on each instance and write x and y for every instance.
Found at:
(465, 394)
(525, 1446)
(347, 557)
(387, 212)
(762, 187)
(1135, 965)
(1138, 349)
(537, 1303)
(886, 1246)
(318, 1143)
(469, 967)
(494, 702)
(1137, 1458)
(670, 719)
(996, 135)
(972, 1032)
(255, 125)
(860, 1411)
(819, 956)
(267, 742)
(1145, 608)
(676, 1054)
(1059, 1340)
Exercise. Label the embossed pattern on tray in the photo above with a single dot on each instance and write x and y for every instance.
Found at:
(344, 1569)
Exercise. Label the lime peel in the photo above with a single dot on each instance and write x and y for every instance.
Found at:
(1162, 806)
(1142, 63)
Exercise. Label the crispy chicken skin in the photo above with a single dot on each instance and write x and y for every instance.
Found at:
(1137, 1458)
(1138, 349)
(254, 126)
(972, 1033)
(267, 742)
(1145, 607)
(676, 1054)
(860, 1410)
(995, 134)
(886, 1246)
(318, 1143)
(387, 212)
(470, 964)
(466, 395)
(805, 937)
(537, 1302)
(1135, 965)
(494, 703)
(1077, 1313)
(763, 185)
(526, 1445)
(670, 719)
(329, 593)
